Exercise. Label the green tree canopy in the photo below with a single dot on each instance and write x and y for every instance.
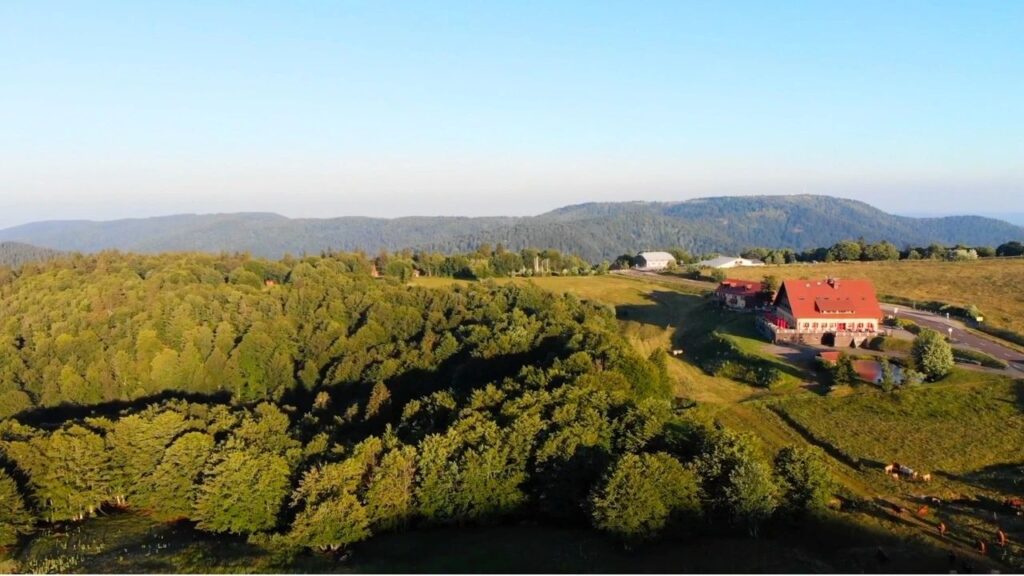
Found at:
(15, 517)
(806, 482)
(932, 355)
(641, 493)
(243, 492)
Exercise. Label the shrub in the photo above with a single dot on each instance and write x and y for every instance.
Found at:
(843, 372)
(806, 482)
(736, 479)
(641, 493)
(932, 355)
(890, 344)
(978, 357)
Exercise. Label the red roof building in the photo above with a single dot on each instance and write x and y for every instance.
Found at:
(830, 307)
(740, 294)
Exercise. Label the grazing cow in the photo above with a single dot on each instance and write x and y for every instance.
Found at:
(1002, 537)
(922, 511)
(942, 529)
(982, 547)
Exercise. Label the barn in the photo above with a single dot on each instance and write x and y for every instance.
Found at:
(654, 260)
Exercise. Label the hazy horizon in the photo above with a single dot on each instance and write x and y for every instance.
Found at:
(315, 109)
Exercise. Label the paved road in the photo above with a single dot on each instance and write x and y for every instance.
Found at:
(960, 336)
(939, 323)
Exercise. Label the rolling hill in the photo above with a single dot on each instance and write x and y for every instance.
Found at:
(595, 230)
(17, 253)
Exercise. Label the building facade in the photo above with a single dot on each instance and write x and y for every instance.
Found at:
(654, 260)
(832, 312)
(741, 294)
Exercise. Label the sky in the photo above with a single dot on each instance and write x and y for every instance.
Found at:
(388, 108)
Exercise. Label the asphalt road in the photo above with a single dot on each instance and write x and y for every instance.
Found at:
(939, 323)
(959, 336)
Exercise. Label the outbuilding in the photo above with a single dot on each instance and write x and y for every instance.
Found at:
(741, 294)
(723, 262)
(654, 260)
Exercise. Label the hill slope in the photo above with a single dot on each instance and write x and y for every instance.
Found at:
(595, 230)
(16, 253)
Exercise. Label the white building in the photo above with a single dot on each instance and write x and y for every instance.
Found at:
(728, 262)
(654, 260)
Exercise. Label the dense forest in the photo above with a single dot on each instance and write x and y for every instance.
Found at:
(595, 231)
(308, 405)
(14, 254)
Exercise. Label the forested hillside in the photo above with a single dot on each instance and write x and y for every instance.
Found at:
(15, 254)
(593, 231)
(307, 405)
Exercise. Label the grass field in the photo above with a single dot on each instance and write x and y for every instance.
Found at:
(972, 421)
(992, 284)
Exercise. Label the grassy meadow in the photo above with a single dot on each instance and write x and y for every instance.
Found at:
(972, 421)
(991, 284)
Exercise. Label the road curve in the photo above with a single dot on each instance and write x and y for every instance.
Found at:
(959, 335)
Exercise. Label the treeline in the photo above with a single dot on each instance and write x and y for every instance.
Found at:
(329, 406)
(15, 254)
(565, 450)
(484, 262)
(859, 250)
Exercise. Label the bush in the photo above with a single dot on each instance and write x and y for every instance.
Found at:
(737, 481)
(908, 325)
(806, 482)
(1008, 335)
(977, 357)
(843, 372)
(641, 493)
(890, 344)
(932, 355)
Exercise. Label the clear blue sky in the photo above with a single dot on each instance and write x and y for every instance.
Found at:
(113, 109)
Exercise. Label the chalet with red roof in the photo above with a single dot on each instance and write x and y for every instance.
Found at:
(741, 294)
(832, 312)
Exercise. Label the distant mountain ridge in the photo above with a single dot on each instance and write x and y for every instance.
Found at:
(594, 231)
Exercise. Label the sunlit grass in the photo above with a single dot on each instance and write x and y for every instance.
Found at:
(970, 421)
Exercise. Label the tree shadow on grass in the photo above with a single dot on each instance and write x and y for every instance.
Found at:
(1006, 477)
(849, 542)
(665, 310)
